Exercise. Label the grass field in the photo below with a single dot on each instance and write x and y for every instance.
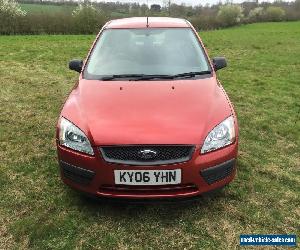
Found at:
(37, 211)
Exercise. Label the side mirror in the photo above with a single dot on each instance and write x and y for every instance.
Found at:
(76, 65)
(219, 63)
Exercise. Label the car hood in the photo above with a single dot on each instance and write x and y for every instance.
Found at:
(150, 112)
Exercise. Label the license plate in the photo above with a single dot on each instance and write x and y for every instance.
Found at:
(147, 177)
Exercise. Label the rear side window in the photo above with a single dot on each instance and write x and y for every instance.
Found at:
(162, 51)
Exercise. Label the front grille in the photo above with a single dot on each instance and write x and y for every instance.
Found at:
(147, 155)
(76, 174)
(219, 172)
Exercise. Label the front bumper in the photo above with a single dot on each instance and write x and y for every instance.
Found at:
(95, 176)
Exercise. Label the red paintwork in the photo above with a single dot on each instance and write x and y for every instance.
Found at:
(155, 112)
(141, 22)
(147, 112)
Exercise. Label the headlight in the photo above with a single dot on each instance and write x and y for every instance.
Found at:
(221, 136)
(72, 137)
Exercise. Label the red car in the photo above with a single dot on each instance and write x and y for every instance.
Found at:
(148, 117)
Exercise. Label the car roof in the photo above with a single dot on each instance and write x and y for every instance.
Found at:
(153, 22)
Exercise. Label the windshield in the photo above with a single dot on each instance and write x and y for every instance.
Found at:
(151, 51)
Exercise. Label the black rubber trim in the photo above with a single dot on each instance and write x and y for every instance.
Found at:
(219, 172)
(76, 174)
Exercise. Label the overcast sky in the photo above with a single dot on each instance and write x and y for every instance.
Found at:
(188, 2)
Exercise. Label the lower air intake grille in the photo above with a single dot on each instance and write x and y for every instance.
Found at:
(140, 190)
(147, 155)
(219, 172)
(76, 174)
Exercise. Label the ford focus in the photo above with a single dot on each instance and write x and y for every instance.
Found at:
(148, 117)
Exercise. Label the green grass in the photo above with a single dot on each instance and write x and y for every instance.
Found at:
(37, 8)
(37, 211)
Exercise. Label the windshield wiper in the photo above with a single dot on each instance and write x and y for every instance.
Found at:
(192, 74)
(150, 77)
(135, 77)
(112, 77)
(183, 75)
(144, 77)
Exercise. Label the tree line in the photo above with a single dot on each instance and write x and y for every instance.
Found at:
(88, 17)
